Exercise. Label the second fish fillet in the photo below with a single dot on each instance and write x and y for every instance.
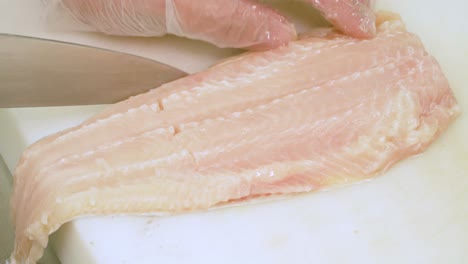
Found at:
(323, 110)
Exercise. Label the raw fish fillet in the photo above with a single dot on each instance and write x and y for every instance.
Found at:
(323, 110)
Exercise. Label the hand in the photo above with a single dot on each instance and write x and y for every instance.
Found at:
(225, 23)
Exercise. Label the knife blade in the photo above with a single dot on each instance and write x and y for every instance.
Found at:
(40, 72)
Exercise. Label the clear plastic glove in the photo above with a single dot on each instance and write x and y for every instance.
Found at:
(225, 23)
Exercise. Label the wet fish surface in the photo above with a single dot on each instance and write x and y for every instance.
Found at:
(326, 109)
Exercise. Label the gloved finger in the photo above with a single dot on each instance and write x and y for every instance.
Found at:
(230, 23)
(353, 17)
(225, 23)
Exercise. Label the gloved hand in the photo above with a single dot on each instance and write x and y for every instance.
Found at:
(225, 23)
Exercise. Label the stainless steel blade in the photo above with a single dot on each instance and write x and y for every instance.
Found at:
(40, 72)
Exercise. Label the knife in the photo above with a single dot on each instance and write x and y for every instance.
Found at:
(40, 72)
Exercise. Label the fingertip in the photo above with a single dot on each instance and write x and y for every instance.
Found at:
(263, 28)
(280, 33)
(358, 21)
(355, 18)
(366, 21)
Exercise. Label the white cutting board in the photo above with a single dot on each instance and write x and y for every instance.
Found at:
(416, 213)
